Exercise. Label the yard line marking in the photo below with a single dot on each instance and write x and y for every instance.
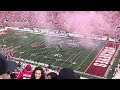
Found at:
(15, 42)
(77, 57)
(57, 61)
(27, 44)
(67, 59)
(88, 56)
(7, 37)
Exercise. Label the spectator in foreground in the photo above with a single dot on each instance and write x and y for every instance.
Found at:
(13, 75)
(19, 64)
(38, 73)
(6, 66)
(67, 73)
(25, 74)
(52, 75)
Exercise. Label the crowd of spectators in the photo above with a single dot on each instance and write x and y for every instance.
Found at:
(53, 20)
(15, 18)
(9, 69)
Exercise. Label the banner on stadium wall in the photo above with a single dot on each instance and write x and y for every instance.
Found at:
(8, 27)
(32, 62)
(110, 39)
(15, 28)
(27, 29)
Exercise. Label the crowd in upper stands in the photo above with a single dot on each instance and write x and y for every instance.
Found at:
(15, 18)
(24, 19)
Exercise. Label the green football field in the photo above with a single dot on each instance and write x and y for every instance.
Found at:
(38, 48)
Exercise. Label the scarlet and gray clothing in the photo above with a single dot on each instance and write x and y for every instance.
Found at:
(24, 75)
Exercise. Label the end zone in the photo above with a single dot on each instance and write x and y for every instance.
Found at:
(103, 60)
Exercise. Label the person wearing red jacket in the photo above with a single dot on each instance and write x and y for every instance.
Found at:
(25, 74)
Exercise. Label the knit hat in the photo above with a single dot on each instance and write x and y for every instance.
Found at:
(67, 73)
(28, 67)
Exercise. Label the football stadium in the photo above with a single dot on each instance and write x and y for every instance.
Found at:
(88, 42)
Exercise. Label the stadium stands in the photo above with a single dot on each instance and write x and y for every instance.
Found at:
(39, 23)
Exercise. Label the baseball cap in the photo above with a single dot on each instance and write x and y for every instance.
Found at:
(28, 67)
(6, 65)
(67, 73)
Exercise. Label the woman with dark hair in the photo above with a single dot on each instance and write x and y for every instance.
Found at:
(38, 73)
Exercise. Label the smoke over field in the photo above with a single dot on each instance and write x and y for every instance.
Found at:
(82, 22)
